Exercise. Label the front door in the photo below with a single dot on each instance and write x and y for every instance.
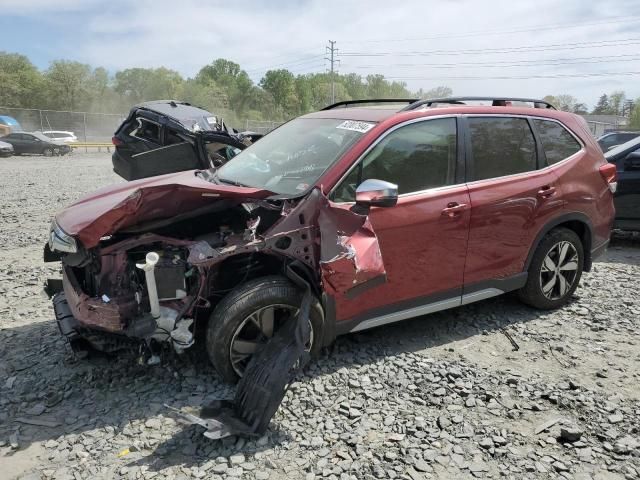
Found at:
(511, 198)
(423, 239)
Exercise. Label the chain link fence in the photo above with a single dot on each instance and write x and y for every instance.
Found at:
(259, 126)
(600, 128)
(95, 127)
(88, 127)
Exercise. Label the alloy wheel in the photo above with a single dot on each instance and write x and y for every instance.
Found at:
(559, 270)
(256, 329)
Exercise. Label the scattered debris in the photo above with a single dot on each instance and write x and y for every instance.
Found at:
(264, 384)
(516, 347)
(546, 425)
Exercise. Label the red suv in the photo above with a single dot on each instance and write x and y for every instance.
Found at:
(385, 213)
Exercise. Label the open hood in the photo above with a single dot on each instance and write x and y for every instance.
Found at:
(109, 209)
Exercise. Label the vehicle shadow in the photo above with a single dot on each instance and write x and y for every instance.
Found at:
(623, 248)
(111, 398)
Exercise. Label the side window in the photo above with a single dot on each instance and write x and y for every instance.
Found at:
(501, 146)
(557, 142)
(147, 130)
(416, 157)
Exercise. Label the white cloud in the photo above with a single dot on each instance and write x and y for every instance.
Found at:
(188, 34)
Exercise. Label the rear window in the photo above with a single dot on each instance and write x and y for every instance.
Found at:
(501, 146)
(557, 142)
(147, 130)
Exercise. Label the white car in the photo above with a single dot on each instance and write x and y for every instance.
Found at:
(67, 137)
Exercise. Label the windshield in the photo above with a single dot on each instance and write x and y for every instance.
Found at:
(41, 136)
(290, 159)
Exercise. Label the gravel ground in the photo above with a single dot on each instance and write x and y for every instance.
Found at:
(439, 397)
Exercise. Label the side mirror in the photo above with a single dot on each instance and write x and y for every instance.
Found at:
(632, 161)
(376, 193)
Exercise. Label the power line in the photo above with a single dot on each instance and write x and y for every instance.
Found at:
(621, 19)
(525, 48)
(307, 59)
(515, 63)
(520, 77)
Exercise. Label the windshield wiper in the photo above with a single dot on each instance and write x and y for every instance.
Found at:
(217, 179)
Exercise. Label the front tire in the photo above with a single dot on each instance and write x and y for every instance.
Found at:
(47, 152)
(248, 316)
(555, 270)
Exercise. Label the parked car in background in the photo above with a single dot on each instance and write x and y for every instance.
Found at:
(626, 158)
(6, 149)
(387, 213)
(8, 124)
(613, 139)
(167, 136)
(36, 142)
(67, 137)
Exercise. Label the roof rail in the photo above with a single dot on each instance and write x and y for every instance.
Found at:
(346, 103)
(460, 101)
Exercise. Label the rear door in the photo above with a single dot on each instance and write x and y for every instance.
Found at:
(31, 144)
(511, 199)
(423, 239)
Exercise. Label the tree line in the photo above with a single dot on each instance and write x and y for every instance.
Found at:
(224, 88)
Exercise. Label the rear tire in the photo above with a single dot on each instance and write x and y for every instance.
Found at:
(236, 318)
(555, 270)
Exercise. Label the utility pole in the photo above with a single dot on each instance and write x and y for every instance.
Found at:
(332, 50)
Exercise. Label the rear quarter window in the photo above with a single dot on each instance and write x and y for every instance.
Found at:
(557, 142)
(501, 146)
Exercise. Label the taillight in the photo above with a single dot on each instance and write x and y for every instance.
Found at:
(116, 141)
(610, 176)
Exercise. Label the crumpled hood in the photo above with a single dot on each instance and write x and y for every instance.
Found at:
(114, 207)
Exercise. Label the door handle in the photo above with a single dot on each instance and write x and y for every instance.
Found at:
(546, 191)
(454, 208)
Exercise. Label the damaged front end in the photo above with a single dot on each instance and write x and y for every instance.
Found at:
(144, 265)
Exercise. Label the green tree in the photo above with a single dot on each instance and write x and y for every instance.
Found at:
(602, 107)
(144, 84)
(634, 118)
(68, 84)
(438, 92)
(281, 85)
(231, 79)
(616, 102)
(20, 82)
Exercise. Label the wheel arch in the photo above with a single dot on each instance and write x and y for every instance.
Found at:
(575, 221)
(263, 264)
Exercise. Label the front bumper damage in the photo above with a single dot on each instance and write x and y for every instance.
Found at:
(334, 248)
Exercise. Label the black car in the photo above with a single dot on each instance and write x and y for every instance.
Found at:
(166, 136)
(36, 142)
(627, 197)
(613, 139)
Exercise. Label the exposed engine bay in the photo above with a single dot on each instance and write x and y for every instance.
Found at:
(151, 286)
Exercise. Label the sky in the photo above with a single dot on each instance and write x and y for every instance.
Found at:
(524, 48)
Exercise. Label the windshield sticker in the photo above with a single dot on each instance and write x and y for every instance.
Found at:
(302, 186)
(361, 127)
(212, 121)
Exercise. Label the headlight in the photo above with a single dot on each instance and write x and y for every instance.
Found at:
(60, 241)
